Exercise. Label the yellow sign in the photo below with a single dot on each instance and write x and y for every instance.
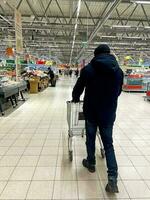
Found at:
(49, 63)
(128, 58)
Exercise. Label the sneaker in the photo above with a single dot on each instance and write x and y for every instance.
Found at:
(90, 167)
(112, 187)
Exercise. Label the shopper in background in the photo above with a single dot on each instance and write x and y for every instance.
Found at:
(52, 76)
(60, 72)
(102, 80)
(70, 72)
(77, 73)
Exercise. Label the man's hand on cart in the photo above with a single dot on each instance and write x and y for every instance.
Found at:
(74, 100)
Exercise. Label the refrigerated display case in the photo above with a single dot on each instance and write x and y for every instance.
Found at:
(136, 82)
(9, 91)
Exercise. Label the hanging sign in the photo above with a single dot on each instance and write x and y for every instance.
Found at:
(18, 32)
(19, 42)
(9, 52)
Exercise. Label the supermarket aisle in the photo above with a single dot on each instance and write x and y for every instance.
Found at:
(34, 159)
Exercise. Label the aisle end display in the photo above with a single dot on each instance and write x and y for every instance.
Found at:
(136, 81)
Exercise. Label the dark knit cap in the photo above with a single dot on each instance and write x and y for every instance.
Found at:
(102, 48)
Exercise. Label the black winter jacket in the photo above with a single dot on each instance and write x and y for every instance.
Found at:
(102, 80)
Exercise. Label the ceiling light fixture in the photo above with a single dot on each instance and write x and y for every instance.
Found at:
(108, 36)
(121, 26)
(141, 2)
(75, 30)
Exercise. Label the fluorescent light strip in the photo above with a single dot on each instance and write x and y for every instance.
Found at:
(75, 30)
(121, 26)
(141, 2)
(108, 36)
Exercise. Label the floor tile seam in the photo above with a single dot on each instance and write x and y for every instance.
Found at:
(133, 179)
(140, 165)
(141, 154)
(100, 185)
(131, 160)
(10, 145)
(17, 164)
(14, 167)
(122, 180)
(124, 132)
(12, 155)
(145, 181)
(1, 141)
(35, 169)
(11, 128)
(76, 169)
(4, 187)
(146, 158)
(50, 180)
(55, 172)
(131, 142)
(30, 140)
(121, 150)
(129, 194)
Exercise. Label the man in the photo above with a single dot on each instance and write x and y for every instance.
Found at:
(52, 76)
(102, 80)
(76, 73)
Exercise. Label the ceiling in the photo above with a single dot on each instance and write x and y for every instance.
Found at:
(69, 30)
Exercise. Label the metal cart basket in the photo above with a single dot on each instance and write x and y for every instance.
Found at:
(76, 126)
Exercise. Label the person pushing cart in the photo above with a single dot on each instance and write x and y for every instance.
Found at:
(102, 80)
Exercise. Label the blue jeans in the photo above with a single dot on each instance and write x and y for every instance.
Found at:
(107, 140)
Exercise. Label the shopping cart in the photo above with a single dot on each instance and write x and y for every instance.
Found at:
(76, 125)
(147, 97)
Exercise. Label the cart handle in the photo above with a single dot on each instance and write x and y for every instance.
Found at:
(73, 102)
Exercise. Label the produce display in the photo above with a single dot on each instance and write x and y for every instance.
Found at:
(34, 76)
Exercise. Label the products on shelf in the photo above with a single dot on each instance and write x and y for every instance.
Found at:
(136, 81)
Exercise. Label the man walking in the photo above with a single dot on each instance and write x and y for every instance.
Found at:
(102, 80)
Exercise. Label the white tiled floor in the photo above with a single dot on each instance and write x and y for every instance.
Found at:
(34, 156)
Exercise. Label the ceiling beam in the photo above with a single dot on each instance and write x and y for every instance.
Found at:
(48, 5)
(19, 4)
(88, 9)
(99, 25)
(61, 11)
(133, 19)
(104, 19)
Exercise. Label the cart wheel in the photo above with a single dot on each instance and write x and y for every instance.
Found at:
(70, 156)
(3, 113)
(102, 153)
